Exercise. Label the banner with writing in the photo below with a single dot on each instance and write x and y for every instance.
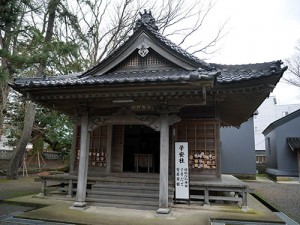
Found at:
(181, 171)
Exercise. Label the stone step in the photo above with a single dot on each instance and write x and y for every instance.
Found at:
(130, 180)
(130, 204)
(122, 192)
(120, 195)
(129, 187)
(121, 203)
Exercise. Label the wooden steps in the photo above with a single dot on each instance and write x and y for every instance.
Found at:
(126, 192)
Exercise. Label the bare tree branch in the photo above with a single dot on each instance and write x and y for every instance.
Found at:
(294, 67)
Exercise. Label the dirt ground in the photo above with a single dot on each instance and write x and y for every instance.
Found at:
(25, 185)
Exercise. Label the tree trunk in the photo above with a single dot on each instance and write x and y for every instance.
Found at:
(30, 112)
(19, 151)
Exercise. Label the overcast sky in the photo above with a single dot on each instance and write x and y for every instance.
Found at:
(259, 31)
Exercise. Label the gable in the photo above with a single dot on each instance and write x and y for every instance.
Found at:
(294, 117)
(150, 61)
(145, 39)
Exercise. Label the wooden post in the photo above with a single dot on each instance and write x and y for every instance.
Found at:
(206, 196)
(73, 147)
(244, 200)
(298, 154)
(164, 165)
(43, 188)
(83, 165)
(70, 188)
(218, 151)
(108, 148)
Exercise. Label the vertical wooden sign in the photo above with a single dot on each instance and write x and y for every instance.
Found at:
(182, 186)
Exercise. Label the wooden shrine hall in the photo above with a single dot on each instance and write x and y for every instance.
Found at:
(131, 108)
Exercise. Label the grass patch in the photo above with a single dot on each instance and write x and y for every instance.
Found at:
(18, 193)
(261, 175)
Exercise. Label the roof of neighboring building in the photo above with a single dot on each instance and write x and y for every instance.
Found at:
(281, 121)
(294, 143)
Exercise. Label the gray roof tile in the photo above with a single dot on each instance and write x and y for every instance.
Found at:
(118, 78)
(233, 73)
(223, 73)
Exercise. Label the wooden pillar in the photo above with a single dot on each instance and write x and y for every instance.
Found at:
(83, 164)
(218, 151)
(244, 200)
(206, 196)
(298, 154)
(73, 147)
(164, 165)
(108, 148)
(72, 158)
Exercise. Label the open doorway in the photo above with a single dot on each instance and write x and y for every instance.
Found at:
(141, 149)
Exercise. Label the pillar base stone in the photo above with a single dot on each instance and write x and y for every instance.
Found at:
(163, 211)
(80, 206)
(245, 208)
(207, 204)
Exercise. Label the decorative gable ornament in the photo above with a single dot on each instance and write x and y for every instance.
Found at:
(143, 50)
(146, 19)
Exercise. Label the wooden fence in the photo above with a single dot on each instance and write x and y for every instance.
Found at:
(6, 155)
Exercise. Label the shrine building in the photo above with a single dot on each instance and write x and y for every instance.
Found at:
(131, 108)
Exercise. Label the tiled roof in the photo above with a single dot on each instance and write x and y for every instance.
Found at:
(163, 40)
(223, 73)
(294, 143)
(144, 76)
(178, 49)
(233, 73)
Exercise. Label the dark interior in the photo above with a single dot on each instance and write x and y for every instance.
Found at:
(143, 142)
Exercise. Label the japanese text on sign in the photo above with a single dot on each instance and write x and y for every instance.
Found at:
(181, 171)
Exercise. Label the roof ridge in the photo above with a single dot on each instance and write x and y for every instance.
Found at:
(280, 121)
(276, 62)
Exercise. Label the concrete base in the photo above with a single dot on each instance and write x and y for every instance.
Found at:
(80, 206)
(207, 205)
(163, 211)
(245, 208)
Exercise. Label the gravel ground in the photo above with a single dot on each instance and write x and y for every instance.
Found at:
(285, 196)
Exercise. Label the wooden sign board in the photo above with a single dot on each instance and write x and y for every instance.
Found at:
(182, 184)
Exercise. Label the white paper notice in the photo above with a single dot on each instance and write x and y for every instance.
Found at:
(181, 171)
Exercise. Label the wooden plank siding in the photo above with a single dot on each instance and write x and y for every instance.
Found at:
(117, 149)
(203, 139)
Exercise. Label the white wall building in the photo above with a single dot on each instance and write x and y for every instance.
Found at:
(268, 112)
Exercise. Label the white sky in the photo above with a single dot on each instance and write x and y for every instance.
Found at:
(259, 31)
